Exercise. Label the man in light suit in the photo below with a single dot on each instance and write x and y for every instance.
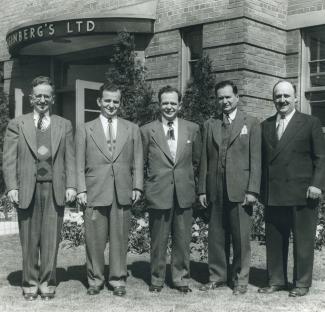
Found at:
(39, 172)
(229, 183)
(293, 177)
(172, 148)
(110, 179)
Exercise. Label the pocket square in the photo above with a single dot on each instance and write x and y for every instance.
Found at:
(243, 130)
(188, 141)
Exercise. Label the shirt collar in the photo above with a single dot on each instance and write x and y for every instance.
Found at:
(232, 115)
(165, 121)
(286, 117)
(46, 115)
(104, 119)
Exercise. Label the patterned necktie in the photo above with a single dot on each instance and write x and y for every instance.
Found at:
(170, 132)
(40, 121)
(110, 136)
(280, 128)
(226, 121)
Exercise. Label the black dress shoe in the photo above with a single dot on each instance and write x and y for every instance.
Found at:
(94, 290)
(299, 292)
(212, 285)
(30, 296)
(119, 291)
(239, 290)
(47, 296)
(153, 288)
(271, 289)
(184, 289)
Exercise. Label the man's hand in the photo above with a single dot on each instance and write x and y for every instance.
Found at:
(203, 200)
(82, 199)
(13, 196)
(136, 195)
(313, 192)
(70, 195)
(249, 200)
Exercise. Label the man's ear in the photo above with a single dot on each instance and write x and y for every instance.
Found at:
(99, 102)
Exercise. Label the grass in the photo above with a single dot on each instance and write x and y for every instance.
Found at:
(71, 291)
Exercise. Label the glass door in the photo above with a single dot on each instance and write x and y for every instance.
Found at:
(86, 100)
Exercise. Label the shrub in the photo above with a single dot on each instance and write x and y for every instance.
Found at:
(73, 232)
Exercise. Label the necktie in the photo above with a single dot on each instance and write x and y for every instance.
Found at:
(110, 136)
(226, 121)
(40, 121)
(280, 129)
(170, 132)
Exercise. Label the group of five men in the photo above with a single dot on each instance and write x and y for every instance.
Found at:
(43, 170)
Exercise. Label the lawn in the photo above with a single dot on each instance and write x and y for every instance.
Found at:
(71, 292)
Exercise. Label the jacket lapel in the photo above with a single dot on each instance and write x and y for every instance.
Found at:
(56, 134)
(121, 137)
(159, 137)
(290, 132)
(98, 135)
(237, 125)
(216, 130)
(29, 131)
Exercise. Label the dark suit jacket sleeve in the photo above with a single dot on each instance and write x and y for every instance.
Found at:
(255, 158)
(138, 160)
(203, 162)
(145, 145)
(197, 147)
(70, 164)
(10, 156)
(80, 158)
(318, 149)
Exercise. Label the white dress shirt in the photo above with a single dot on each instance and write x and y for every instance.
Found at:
(104, 122)
(171, 143)
(46, 121)
(286, 118)
(232, 115)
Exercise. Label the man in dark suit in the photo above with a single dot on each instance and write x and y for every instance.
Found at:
(229, 182)
(172, 148)
(293, 176)
(39, 172)
(109, 179)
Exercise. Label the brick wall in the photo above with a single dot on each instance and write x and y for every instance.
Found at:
(303, 6)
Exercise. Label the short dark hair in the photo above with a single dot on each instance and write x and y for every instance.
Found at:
(169, 89)
(283, 80)
(42, 80)
(225, 83)
(108, 86)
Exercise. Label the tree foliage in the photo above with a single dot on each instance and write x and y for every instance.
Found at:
(199, 99)
(4, 118)
(129, 74)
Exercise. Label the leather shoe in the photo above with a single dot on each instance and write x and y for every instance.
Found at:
(119, 291)
(184, 289)
(299, 291)
(30, 296)
(47, 296)
(94, 290)
(271, 289)
(153, 288)
(212, 285)
(239, 290)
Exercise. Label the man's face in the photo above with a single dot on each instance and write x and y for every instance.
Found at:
(109, 103)
(227, 99)
(169, 105)
(284, 98)
(42, 98)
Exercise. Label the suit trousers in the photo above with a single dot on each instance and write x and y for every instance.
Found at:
(39, 228)
(177, 222)
(231, 221)
(280, 221)
(101, 222)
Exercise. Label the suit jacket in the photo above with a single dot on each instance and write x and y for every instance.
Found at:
(243, 162)
(295, 162)
(99, 173)
(20, 158)
(164, 176)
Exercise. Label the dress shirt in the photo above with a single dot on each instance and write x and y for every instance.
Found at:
(45, 122)
(232, 115)
(287, 119)
(171, 143)
(104, 122)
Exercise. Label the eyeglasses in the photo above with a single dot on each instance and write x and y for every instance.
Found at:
(39, 97)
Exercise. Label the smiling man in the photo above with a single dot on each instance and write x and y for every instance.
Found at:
(293, 177)
(39, 172)
(172, 148)
(109, 179)
(229, 182)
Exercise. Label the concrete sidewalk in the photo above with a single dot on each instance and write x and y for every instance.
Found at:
(8, 227)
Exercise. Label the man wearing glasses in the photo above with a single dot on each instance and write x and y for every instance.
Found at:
(38, 168)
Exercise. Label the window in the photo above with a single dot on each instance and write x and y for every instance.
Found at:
(191, 51)
(313, 72)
